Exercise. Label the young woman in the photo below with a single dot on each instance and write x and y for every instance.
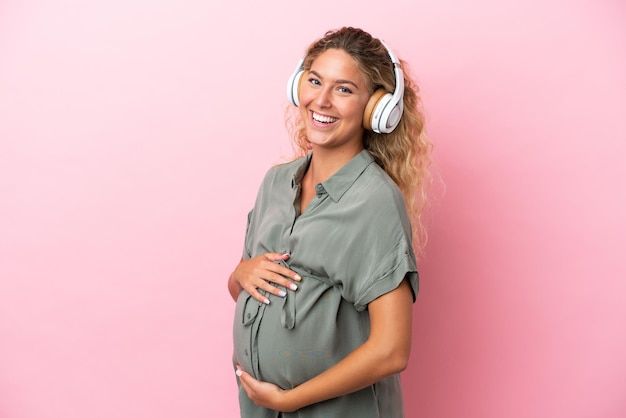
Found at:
(328, 276)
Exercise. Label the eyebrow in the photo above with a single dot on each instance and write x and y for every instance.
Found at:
(318, 75)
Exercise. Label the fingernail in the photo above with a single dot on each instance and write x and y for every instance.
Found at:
(286, 255)
(239, 373)
(297, 277)
(266, 301)
(282, 294)
(293, 286)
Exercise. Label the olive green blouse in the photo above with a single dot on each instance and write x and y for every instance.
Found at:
(351, 245)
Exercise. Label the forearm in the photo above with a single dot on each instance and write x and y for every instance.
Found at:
(363, 367)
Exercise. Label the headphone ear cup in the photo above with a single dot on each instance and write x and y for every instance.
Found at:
(301, 77)
(374, 108)
(293, 87)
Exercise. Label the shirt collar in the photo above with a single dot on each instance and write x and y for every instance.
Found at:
(342, 180)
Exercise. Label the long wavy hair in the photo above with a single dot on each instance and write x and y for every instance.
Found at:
(404, 154)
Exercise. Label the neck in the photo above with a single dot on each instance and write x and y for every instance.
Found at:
(325, 162)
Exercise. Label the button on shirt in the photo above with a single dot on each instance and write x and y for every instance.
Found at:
(351, 245)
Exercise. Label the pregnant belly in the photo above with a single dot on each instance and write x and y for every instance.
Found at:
(325, 329)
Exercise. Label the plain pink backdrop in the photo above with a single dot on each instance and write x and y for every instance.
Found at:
(134, 135)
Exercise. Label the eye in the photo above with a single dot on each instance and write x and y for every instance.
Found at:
(314, 81)
(343, 89)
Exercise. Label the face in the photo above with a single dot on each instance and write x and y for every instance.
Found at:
(332, 97)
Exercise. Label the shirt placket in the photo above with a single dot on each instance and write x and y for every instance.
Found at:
(253, 317)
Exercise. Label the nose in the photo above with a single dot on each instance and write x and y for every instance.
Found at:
(323, 97)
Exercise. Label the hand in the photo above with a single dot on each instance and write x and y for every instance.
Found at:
(264, 394)
(260, 272)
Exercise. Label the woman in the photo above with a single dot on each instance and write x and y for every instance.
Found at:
(335, 224)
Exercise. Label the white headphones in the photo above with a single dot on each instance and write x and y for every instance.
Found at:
(383, 110)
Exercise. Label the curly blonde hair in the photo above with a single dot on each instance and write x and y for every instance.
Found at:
(404, 154)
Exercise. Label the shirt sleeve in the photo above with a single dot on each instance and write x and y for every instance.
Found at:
(397, 265)
(247, 253)
(263, 199)
(383, 253)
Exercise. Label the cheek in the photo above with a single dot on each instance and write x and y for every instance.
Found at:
(356, 111)
(305, 95)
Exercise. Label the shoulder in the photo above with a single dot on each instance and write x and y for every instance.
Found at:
(381, 202)
(288, 168)
(376, 187)
(282, 172)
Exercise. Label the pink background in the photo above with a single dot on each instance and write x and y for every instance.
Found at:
(134, 135)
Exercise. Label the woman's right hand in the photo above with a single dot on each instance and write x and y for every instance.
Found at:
(259, 273)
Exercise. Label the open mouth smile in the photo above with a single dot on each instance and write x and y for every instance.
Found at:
(323, 119)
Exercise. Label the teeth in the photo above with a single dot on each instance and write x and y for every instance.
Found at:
(324, 119)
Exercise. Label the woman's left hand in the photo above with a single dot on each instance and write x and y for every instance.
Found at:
(264, 394)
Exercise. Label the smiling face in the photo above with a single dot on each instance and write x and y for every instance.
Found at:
(333, 95)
